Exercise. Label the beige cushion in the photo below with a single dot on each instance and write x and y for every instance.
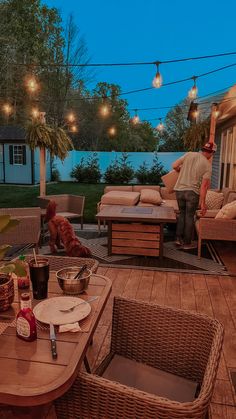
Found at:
(117, 188)
(145, 204)
(120, 198)
(138, 188)
(214, 200)
(150, 196)
(227, 211)
(170, 179)
(165, 194)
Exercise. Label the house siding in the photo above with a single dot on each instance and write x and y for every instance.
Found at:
(17, 173)
(215, 178)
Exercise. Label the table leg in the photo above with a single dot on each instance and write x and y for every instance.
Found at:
(161, 242)
(109, 238)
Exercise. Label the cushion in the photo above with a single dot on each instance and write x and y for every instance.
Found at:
(150, 196)
(170, 179)
(227, 211)
(120, 198)
(117, 188)
(214, 200)
(171, 203)
(138, 188)
(165, 194)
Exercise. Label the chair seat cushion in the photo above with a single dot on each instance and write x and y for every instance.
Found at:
(151, 380)
(120, 198)
(171, 203)
(68, 214)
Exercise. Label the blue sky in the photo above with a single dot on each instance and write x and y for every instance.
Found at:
(138, 31)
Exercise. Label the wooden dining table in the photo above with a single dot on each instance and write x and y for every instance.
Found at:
(30, 377)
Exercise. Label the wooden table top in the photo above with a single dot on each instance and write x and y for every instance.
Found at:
(152, 214)
(29, 375)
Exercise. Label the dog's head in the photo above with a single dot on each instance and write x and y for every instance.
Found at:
(51, 210)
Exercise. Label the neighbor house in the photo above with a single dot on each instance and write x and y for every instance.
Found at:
(19, 164)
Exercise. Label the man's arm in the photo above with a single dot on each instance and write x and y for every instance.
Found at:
(203, 191)
(178, 163)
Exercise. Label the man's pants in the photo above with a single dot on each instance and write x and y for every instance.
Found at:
(188, 203)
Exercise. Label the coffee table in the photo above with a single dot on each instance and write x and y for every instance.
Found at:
(136, 230)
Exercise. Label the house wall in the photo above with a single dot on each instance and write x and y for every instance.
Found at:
(17, 173)
(1, 164)
(107, 157)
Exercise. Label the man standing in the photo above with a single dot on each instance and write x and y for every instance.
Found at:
(191, 187)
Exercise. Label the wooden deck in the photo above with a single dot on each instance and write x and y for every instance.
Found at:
(212, 295)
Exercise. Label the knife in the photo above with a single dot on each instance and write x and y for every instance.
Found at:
(53, 341)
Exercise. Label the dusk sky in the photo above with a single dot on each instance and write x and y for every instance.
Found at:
(123, 31)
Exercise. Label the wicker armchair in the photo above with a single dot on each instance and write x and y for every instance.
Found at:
(176, 341)
(27, 231)
(69, 206)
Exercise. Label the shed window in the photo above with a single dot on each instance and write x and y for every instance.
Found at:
(17, 154)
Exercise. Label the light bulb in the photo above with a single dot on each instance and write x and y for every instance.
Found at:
(71, 117)
(216, 113)
(112, 131)
(135, 119)
(35, 113)
(160, 126)
(74, 128)
(157, 81)
(32, 85)
(7, 109)
(104, 110)
(195, 114)
(192, 94)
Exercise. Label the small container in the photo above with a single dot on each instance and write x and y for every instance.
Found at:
(39, 276)
(25, 320)
(23, 281)
(68, 284)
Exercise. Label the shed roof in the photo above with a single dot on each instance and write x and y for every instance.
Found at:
(11, 133)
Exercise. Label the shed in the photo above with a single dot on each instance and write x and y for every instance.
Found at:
(19, 164)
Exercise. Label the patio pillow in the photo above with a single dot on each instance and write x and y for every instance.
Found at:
(214, 200)
(227, 211)
(120, 198)
(150, 196)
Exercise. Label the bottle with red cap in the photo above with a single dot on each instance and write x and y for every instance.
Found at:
(25, 320)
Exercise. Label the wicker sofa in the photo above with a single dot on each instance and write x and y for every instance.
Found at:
(211, 228)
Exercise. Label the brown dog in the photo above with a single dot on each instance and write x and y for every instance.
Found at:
(61, 231)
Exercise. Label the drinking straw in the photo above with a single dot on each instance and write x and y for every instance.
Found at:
(35, 258)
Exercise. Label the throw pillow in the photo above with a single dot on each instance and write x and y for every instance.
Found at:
(150, 196)
(214, 200)
(227, 211)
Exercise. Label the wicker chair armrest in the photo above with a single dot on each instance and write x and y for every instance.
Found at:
(26, 232)
(92, 396)
(217, 229)
(59, 262)
(209, 214)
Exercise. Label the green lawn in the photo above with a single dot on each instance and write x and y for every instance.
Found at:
(26, 196)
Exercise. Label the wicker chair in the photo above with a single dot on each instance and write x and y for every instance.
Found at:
(59, 262)
(69, 206)
(176, 341)
(27, 232)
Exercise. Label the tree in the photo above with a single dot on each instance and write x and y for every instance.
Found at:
(197, 134)
(172, 137)
(41, 135)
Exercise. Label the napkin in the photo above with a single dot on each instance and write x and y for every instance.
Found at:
(72, 327)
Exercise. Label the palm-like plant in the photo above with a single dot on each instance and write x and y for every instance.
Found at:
(56, 140)
(7, 223)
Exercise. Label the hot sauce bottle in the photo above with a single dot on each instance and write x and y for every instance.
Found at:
(25, 320)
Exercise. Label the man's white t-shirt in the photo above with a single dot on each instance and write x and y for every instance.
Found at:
(194, 168)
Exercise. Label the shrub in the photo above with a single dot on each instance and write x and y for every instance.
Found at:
(119, 171)
(87, 172)
(152, 175)
(142, 174)
(56, 177)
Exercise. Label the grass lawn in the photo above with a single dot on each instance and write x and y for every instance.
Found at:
(12, 196)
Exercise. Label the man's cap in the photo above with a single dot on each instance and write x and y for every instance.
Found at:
(210, 147)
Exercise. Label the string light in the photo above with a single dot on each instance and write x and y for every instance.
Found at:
(104, 110)
(32, 85)
(35, 113)
(160, 127)
(73, 128)
(136, 118)
(192, 94)
(7, 109)
(193, 112)
(216, 111)
(112, 131)
(71, 117)
(157, 81)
